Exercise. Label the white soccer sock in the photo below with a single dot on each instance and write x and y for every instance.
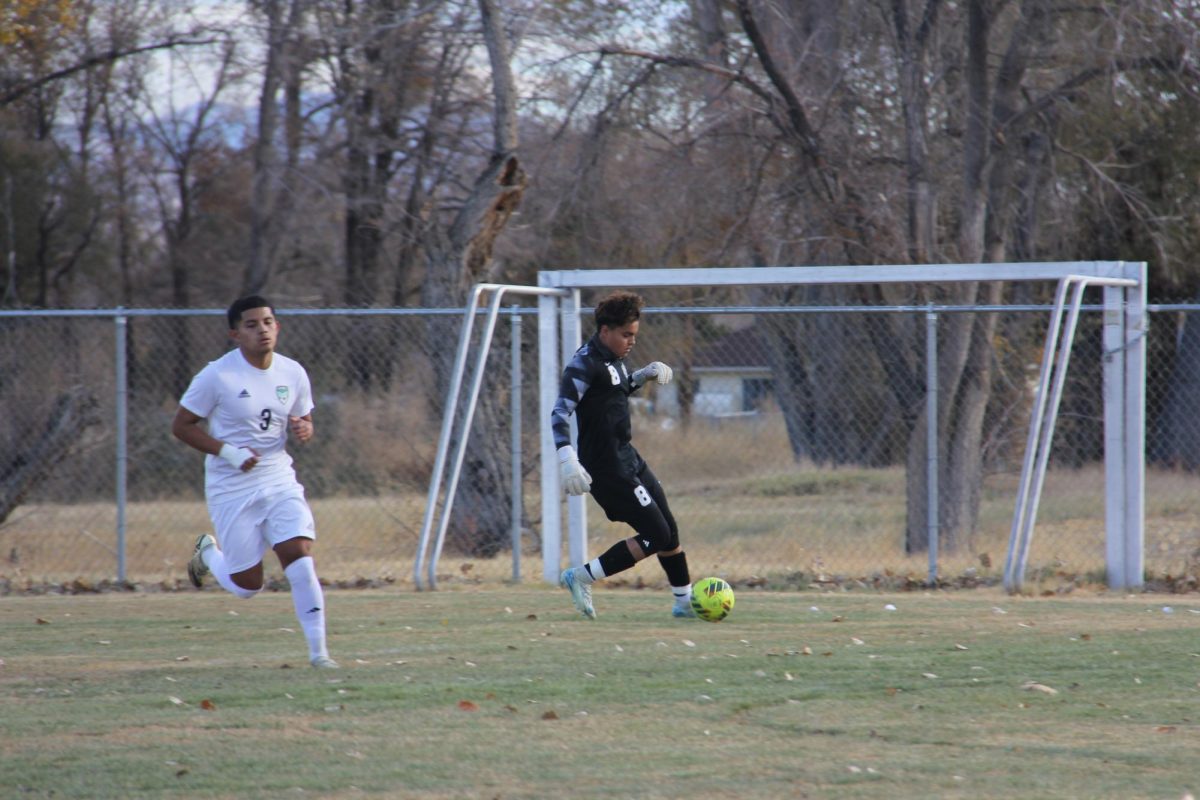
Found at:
(309, 602)
(683, 595)
(214, 559)
(592, 571)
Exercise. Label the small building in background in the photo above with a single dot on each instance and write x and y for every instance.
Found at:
(732, 377)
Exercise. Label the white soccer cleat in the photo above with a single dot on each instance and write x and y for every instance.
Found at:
(581, 593)
(196, 567)
(325, 662)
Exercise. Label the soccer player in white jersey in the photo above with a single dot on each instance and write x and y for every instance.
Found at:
(251, 398)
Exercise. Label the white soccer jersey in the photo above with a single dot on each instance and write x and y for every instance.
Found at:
(249, 407)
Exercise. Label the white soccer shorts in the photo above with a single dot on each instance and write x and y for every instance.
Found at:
(249, 525)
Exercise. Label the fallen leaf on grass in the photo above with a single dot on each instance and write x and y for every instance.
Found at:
(929, 675)
(41, 621)
(1034, 686)
(467, 705)
(1165, 729)
(176, 700)
(549, 715)
(960, 647)
(208, 705)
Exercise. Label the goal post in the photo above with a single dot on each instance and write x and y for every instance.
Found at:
(1124, 322)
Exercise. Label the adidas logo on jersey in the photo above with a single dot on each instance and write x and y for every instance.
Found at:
(244, 393)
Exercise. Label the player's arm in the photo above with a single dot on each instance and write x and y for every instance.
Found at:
(301, 427)
(187, 429)
(655, 370)
(575, 383)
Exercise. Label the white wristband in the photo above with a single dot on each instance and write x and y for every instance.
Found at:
(235, 455)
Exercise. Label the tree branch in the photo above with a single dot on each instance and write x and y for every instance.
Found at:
(796, 117)
(1051, 97)
(13, 95)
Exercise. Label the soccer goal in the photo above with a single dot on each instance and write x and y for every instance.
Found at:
(561, 317)
(1124, 368)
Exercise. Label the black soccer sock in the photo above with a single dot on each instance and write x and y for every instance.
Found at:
(613, 560)
(676, 568)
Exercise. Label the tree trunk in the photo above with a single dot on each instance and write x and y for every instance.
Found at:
(459, 255)
(73, 412)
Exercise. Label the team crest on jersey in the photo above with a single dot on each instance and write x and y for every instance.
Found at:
(281, 393)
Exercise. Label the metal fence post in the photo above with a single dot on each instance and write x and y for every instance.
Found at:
(931, 441)
(122, 325)
(517, 503)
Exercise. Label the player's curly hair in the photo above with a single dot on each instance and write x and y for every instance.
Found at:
(619, 309)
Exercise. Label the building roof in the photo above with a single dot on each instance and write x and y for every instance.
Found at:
(740, 349)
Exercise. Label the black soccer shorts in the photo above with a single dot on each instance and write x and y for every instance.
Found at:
(640, 502)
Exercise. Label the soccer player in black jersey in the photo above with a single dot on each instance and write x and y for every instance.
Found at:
(596, 386)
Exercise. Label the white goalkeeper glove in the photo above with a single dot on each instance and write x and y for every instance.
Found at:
(236, 456)
(575, 478)
(655, 369)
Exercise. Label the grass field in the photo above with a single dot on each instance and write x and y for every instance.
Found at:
(846, 522)
(506, 693)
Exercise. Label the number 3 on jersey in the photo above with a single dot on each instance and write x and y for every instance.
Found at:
(266, 419)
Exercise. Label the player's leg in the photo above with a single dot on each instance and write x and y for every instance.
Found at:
(291, 531)
(234, 559)
(627, 502)
(671, 555)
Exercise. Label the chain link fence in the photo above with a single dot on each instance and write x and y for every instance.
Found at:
(783, 446)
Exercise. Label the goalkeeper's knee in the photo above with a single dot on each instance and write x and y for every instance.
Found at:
(655, 536)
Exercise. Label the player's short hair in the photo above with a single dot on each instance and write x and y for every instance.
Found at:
(619, 309)
(244, 304)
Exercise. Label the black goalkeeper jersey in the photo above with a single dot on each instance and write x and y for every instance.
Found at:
(596, 386)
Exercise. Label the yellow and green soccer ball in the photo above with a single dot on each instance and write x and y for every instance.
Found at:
(712, 599)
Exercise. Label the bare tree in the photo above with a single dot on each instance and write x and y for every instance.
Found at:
(459, 253)
(953, 104)
(274, 188)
